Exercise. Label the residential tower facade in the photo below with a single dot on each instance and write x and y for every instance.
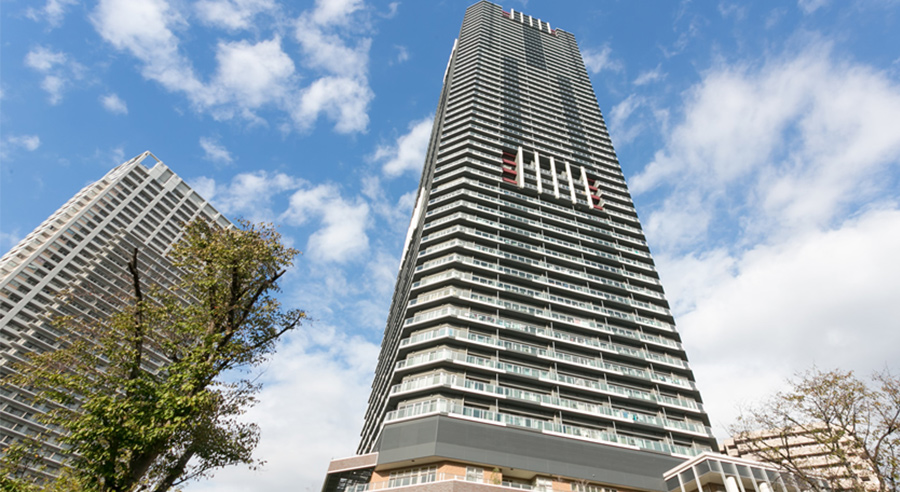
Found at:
(529, 342)
(85, 246)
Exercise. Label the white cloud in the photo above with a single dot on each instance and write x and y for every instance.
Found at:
(343, 100)
(342, 93)
(774, 211)
(650, 76)
(9, 239)
(329, 51)
(407, 153)
(248, 194)
(392, 10)
(145, 29)
(252, 74)
(381, 275)
(204, 186)
(395, 212)
(339, 222)
(335, 12)
(402, 54)
(342, 234)
(232, 14)
(619, 116)
(732, 10)
(27, 142)
(791, 144)
(810, 6)
(43, 59)
(53, 11)
(214, 151)
(824, 298)
(116, 155)
(597, 61)
(8, 144)
(114, 104)
(248, 75)
(57, 69)
(314, 391)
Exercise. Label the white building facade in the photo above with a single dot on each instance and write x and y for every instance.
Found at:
(85, 246)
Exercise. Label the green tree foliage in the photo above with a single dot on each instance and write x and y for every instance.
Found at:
(853, 424)
(152, 395)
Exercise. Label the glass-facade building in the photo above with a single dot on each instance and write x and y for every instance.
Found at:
(529, 341)
(84, 248)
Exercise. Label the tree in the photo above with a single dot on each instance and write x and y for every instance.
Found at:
(830, 424)
(151, 396)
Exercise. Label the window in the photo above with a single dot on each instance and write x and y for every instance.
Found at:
(413, 476)
(587, 487)
(474, 474)
(543, 484)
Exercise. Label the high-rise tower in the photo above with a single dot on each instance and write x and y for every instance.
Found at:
(529, 341)
(86, 246)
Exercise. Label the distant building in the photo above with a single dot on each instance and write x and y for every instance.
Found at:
(719, 473)
(85, 246)
(529, 343)
(781, 446)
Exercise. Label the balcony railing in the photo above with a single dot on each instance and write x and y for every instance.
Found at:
(443, 406)
(439, 477)
(460, 382)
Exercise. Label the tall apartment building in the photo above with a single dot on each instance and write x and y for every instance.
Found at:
(529, 342)
(85, 246)
(801, 449)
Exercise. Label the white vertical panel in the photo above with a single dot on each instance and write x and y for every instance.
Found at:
(520, 168)
(587, 188)
(571, 182)
(537, 172)
(555, 178)
(731, 484)
(417, 212)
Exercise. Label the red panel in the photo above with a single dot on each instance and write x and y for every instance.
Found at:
(509, 181)
(510, 171)
(511, 163)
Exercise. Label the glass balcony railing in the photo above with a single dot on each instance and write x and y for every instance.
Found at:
(539, 237)
(538, 249)
(556, 335)
(502, 322)
(534, 211)
(436, 477)
(444, 353)
(460, 382)
(543, 280)
(450, 407)
(604, 311)
(459, 159)
(459, 167)
(540, 226)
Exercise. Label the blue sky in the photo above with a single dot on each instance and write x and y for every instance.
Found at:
(760, 139)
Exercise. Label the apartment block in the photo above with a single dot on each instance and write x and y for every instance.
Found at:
(529, 343)
(84, 248)
(799, 447)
